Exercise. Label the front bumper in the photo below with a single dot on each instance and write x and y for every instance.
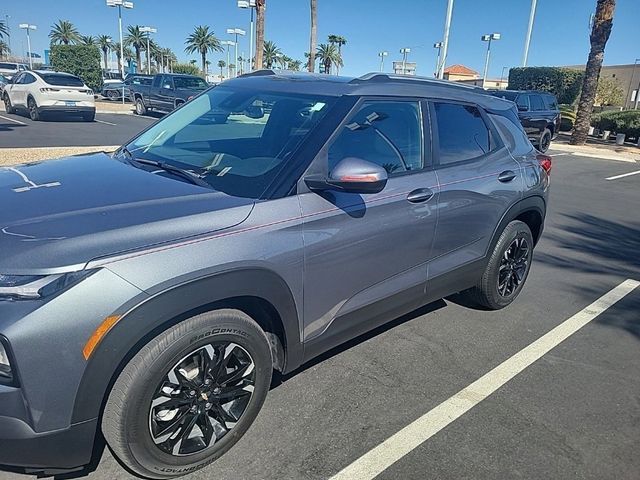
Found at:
(49, 452)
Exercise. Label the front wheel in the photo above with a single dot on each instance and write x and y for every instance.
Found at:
(189, 395)
(7, 104)
(140, 108)
(507, 269)
(545, 141)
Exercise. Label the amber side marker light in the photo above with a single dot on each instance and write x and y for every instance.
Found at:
(98, 334)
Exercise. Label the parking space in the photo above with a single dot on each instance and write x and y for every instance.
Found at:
(574, 412)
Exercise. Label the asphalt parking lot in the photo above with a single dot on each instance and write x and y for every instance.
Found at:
(573, 413)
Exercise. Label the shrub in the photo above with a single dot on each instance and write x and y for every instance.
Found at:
(564, 83)
(627, 122)
(568, 117)
(80, 60)
(186, 68)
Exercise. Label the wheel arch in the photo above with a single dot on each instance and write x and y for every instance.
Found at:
(530, 210)
(260, 293)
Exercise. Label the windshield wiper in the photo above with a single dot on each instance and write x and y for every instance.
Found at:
(186, 174)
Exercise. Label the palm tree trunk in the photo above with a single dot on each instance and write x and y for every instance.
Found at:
(104, 54)
(138, 60)
(313, 40)
(340, 54)
(602, 24)
(204, 64)
(119, 63)
(260, 8)
(220, 73)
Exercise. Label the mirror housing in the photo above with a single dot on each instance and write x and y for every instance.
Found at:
(351, 175)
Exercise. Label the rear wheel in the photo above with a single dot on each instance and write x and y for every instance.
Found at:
(545, 141)
(7, 104)
(140, 108)
(34, 111)
(189, 395)
(113, 95)
(507, 270)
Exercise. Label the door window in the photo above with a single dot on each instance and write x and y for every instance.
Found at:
(388, 134)
(462, 133)
(523, 102)
(551, 102)
(536, 103)
(28, 78)
(167, 83)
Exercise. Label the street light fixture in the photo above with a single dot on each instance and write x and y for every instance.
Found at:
(382, 55)
(404, 51)
(228, 43)
(251, 4)
(439, 46)
(236, 32)
(28, 27)
(488, 38)
(148, 31)
(120, 4)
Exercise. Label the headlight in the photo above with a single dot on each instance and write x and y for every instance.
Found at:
(37, 286)
(5, 366)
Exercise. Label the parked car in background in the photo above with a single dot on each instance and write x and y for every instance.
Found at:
(166, 92)
(109, 76)
(115, 91)
(9, 69)
(538, 112)
(3, 82)
(207, 254)
(40, 92)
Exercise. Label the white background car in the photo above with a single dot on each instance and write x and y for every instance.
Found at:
(40, 92)
(9, 69)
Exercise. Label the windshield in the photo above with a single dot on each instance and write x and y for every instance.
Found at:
(237, 140)
(9, 66)
(504, 94)
(190, 83)
(61, 80)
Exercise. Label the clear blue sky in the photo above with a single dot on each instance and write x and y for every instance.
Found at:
(560, 35)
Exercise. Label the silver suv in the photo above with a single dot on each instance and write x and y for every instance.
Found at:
(148, 295)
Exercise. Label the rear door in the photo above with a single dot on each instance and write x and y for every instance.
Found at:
(525, 114)
(478, 182)
(365, 255)
(18, 91)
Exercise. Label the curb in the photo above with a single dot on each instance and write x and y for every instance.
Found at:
(598, 153)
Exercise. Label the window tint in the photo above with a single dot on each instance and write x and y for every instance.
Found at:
(550, 102)
(462, 133)
(536, 103)
(166, 82)
(523, 102)
(62, 80)
(28, 78)
(156, 81)
(512, 132)
(9, 66)
(385, 133)
(191, 83)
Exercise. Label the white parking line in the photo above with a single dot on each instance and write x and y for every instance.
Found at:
(12, 120)
(623, 175)
(400, 444)
(107, 123)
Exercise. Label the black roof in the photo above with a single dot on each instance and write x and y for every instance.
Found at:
(371, 84)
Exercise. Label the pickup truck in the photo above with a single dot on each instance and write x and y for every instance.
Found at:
(166, 92)
(9, 69)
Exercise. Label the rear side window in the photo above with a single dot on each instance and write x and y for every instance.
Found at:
(62, 80)
(512, 133)
(550, 102)
(536, 103)
(9, 66)
(28, 78)
(462, 133)
(385, 133)
(156, 81)
(522, 102)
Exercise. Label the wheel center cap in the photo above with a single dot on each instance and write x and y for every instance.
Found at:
(204, 396)
(217, 390)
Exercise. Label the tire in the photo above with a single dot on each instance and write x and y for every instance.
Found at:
(490, 292)
(9, 108)
(34, 111)
(89, 116)
(545, 141)
(140, 108)
(113, 95)
(137, 439)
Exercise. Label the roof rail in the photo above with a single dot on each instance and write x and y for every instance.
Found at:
(259, 73)
(386, 77)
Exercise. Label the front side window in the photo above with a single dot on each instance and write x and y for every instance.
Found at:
(388, 134)
(462, 132)
(536, 103)
(167, 83)
(551, 102)
(522, 102)
(190, 83)
(237, 140)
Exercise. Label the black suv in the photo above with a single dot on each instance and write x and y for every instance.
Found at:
(538, 113)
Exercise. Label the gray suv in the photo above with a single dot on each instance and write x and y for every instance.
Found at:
(147, 296)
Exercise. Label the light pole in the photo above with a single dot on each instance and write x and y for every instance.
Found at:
(438, 45)
(445, 38)
(382, 55)
(28, 27)
(236, 32)
(228, 43)
(148, 31)
(527, 40)
(630, 92)
(120, 4)
(488, 38)
(251, 4)
(404, 51)
(502, 75)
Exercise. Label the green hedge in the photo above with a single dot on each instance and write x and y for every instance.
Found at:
(186, 68)
(568, 117)
(564, 83)
(627, 122)
(80, 60)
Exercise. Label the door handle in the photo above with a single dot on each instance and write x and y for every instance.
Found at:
(506, 176)
(420, 195)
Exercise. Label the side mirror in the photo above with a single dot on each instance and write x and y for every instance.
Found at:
(352, 175)
(523, 108)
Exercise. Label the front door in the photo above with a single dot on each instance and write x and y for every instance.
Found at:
(365, 255)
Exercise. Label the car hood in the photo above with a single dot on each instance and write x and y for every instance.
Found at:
(60, 214)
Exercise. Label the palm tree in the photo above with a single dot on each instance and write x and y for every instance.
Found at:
(138, 40)
(4, 49)
(240, 63)
(4, 29)
(295, 65)
(154, 48)
(313, 40)
(170, 56)
(260, 8)
(328, 55)
(339, 41)
(221, 65)
(203, 41)
(64, 32)
(602, 24)
(128, 54)
(87, 40)
(104, 43)
(271, 53)
(193, 62)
